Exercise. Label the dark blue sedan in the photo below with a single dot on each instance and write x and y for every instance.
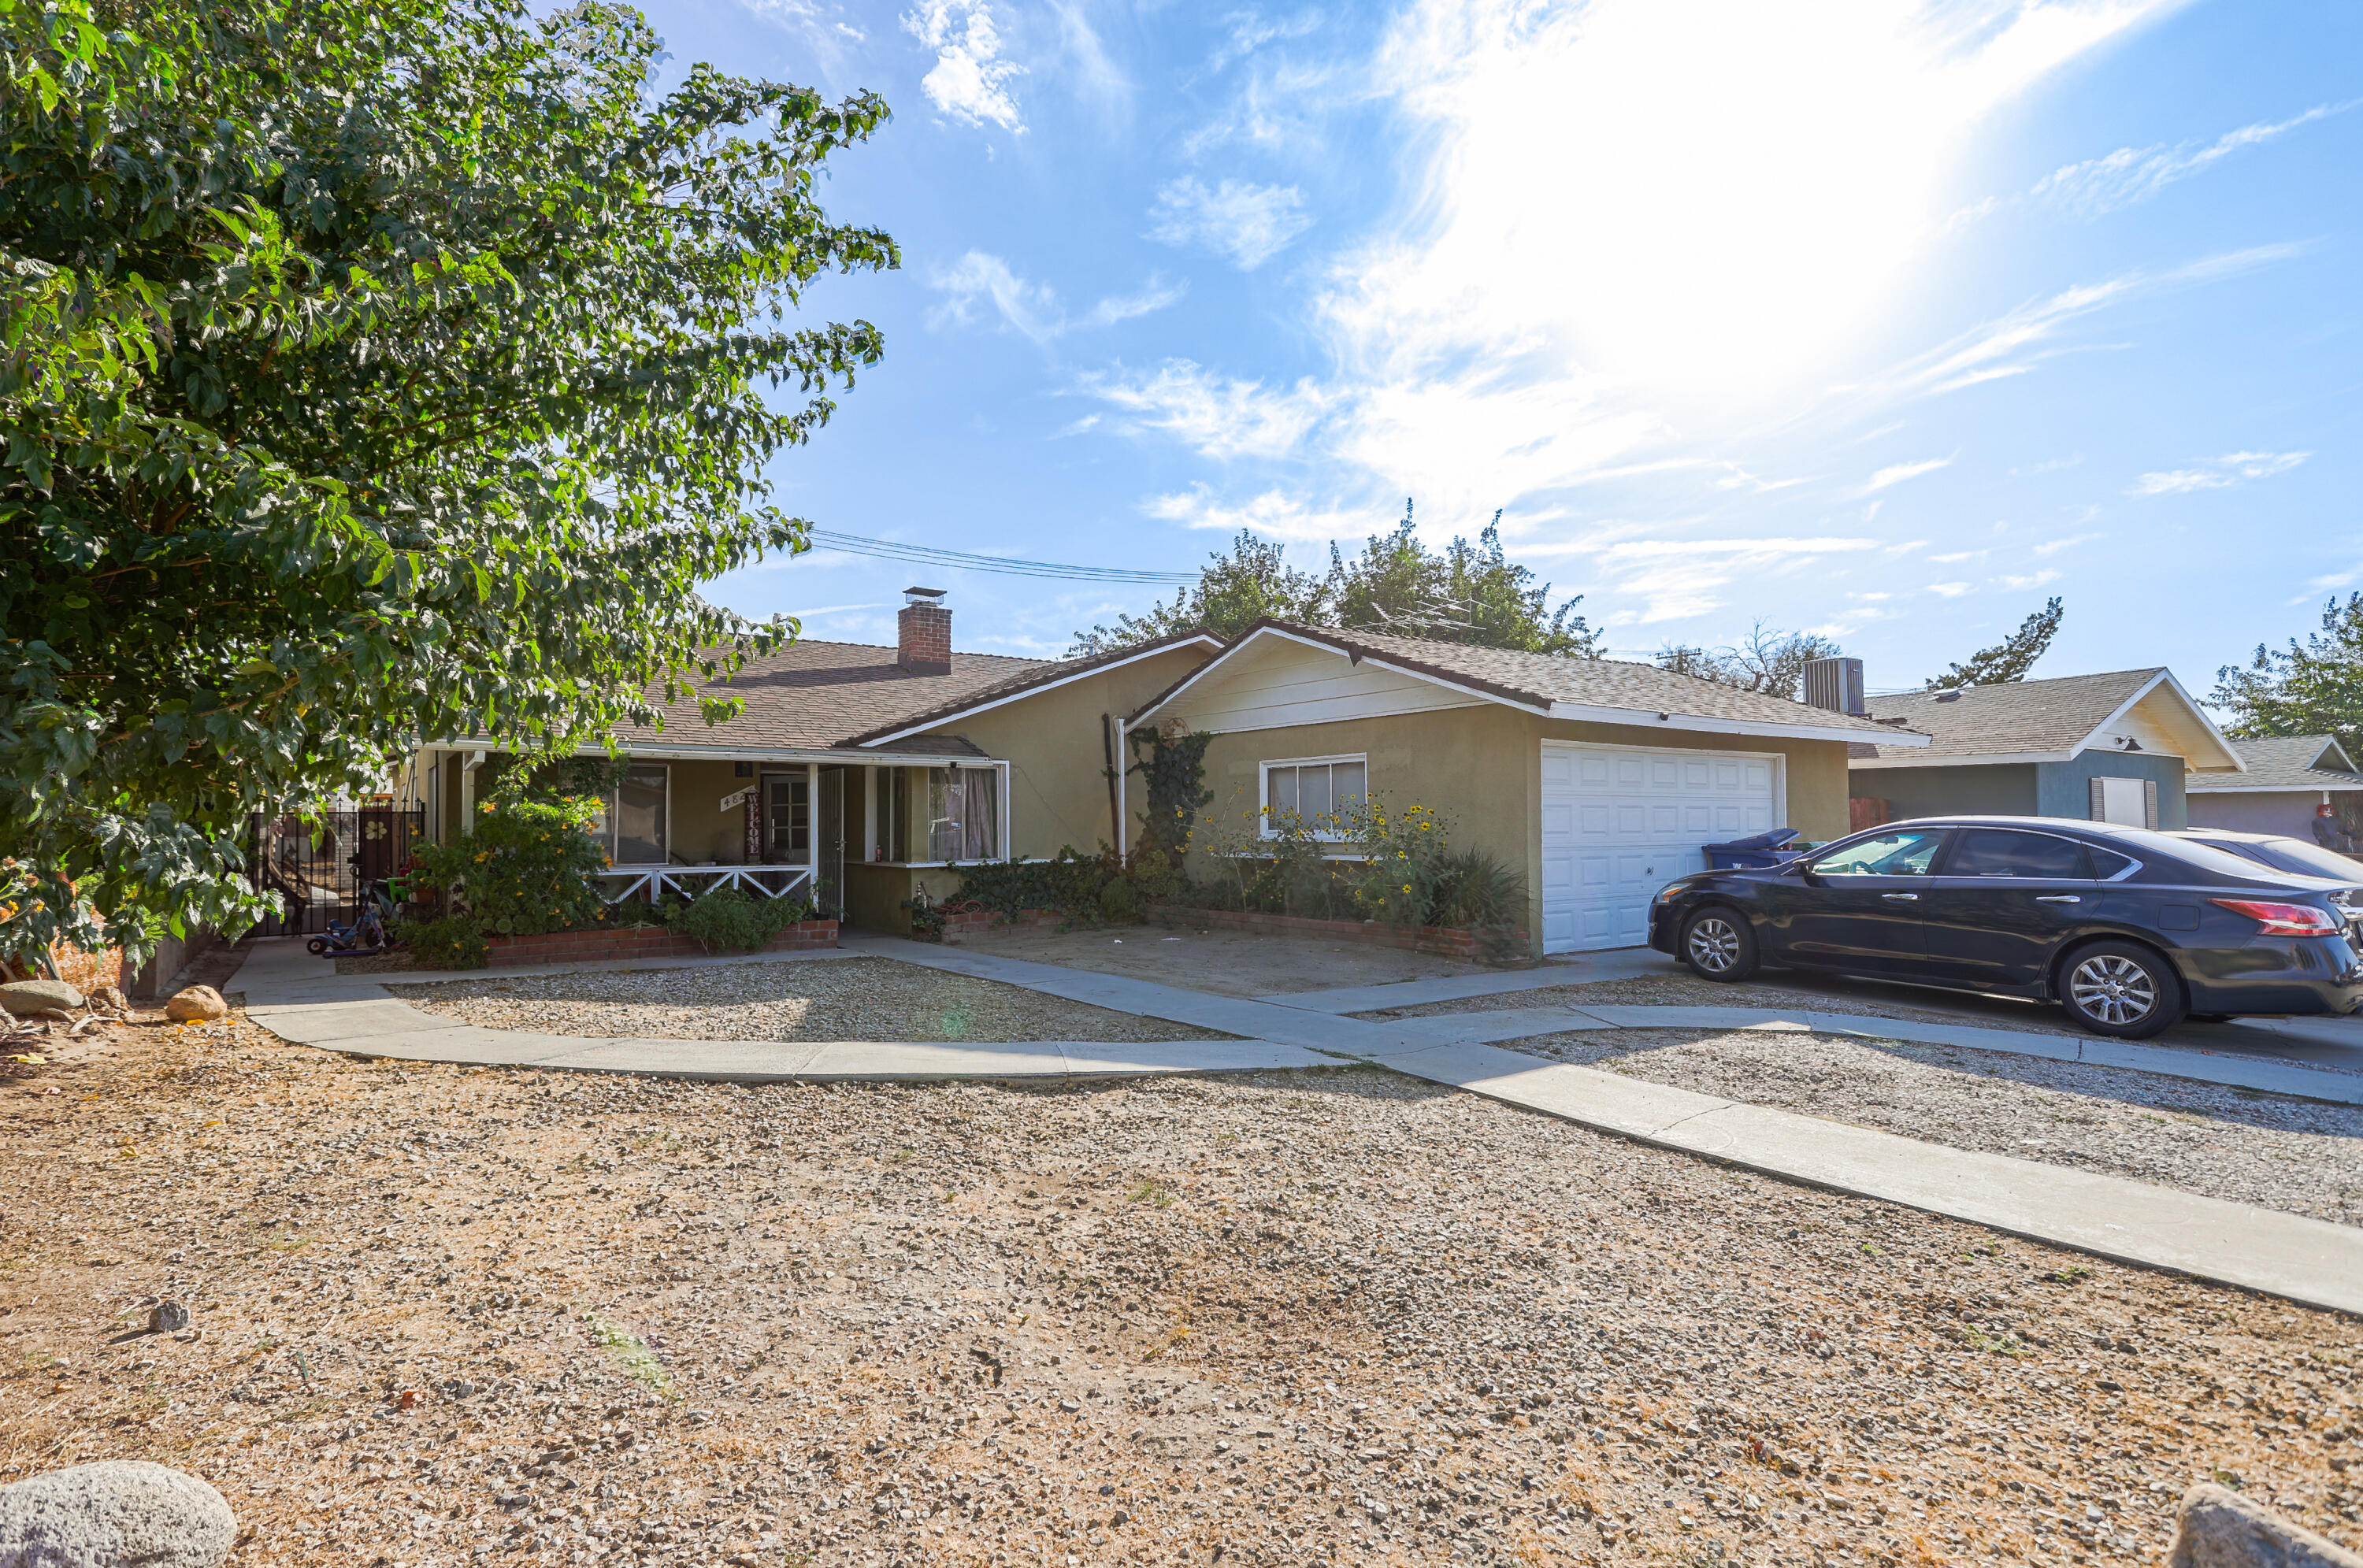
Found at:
(2128, 929)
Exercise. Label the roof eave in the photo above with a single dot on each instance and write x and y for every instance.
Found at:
(1957, 760)
(954, 715)
(1650, 718)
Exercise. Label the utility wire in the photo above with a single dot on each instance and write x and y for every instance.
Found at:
(924, 555)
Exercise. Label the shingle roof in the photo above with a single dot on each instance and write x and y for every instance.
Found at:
(2284, 762)
(1035, 674)
(1540, 679)
(2013, 718)
(815, 696)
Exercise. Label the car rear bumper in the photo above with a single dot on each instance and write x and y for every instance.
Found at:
(2300, 976)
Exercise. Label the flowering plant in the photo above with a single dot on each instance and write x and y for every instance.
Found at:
(529, 866)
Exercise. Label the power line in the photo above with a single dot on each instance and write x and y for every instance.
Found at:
(924, 555)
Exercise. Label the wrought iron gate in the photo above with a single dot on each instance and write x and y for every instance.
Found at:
(316, 867)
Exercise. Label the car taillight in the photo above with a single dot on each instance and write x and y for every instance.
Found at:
(2283, 920)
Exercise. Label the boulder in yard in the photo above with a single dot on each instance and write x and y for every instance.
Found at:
(196, 1004)
(110, 998)
(119, 1513)
(2221, 1529)
(29, 999)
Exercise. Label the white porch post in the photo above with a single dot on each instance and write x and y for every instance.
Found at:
(474, 760)
(812, 827)
(1001, 828)
(869, 811)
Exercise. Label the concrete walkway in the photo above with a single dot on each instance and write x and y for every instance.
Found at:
(2304, 1260)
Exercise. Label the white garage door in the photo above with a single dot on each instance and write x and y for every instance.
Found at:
(1619, 824)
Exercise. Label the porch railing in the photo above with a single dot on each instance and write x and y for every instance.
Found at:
(652, 882)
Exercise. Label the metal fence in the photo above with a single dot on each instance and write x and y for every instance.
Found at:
(317, 865)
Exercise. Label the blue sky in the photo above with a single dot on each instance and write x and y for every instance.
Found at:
(1865, 318)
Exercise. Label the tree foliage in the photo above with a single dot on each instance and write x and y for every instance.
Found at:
(1765, 660)
(374, 370)
(1464, 593)
(2310, 688)
(2007, 660)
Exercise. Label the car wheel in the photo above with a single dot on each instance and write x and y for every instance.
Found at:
(1718, 945)
(2119, 989)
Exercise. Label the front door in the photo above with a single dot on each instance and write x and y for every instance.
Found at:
(787, 821)
(1856, 908)
(830, 826)
(2002, 902)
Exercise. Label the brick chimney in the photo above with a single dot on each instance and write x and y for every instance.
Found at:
(925, 633)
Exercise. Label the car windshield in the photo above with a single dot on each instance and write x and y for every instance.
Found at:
(2305, 859)
(1904, 854)
(2208, 860)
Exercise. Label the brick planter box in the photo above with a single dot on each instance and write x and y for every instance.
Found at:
(961, 925)
(635, 942)
(1450, 942)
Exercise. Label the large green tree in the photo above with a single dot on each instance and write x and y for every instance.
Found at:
(1765, 660)
(2309, 688)
(1463, 593)
(2008, 659)
(373, 371)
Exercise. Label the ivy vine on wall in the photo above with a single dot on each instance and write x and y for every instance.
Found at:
(1175, 768)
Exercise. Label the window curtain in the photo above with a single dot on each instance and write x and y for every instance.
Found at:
(963, 810)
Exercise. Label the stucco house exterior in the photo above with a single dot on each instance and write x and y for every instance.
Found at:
(2112, 747)
(858, 773)
(2284, 781)
(1600, 780)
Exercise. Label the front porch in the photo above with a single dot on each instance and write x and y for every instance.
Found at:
(854, 836)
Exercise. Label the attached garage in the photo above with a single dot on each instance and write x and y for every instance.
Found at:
(1618, 823)
(1595, 781)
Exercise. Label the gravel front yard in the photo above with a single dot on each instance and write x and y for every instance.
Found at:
(2303, 1156)
(446, 1315)
(829, 999)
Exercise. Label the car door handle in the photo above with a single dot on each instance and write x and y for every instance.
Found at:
(1904, 898)
(2057, 899)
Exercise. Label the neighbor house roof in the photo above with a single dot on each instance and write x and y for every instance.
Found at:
(1601, 690)
(2045, 720)
(2284, 762)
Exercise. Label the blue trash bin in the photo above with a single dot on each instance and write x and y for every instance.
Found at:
(1753, 853)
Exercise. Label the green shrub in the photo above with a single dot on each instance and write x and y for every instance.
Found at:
(1119, 902)
(728, 920)
(447, 942)
(1069, 884)
(528, 867)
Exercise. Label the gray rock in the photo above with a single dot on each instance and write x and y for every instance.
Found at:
(196, 1004)
(26, 999)
(121, 1513)
(2221, 1529)
(168, 1316)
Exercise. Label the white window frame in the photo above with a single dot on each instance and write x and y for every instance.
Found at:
(1263, 786)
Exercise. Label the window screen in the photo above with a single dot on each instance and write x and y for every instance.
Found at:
(893, 807)
(1309, 790)
(1998, 851)
(963, 810)
(639, 816)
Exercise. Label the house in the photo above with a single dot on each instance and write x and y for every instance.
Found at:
(860, 773)
(1599, 779)
(2286, 778)
(2115, 747)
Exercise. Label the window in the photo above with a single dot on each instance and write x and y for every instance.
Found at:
(1889, 854)
(2110, 867)
(963, 813)
(632, 825)
(1309, 788)
(2130, 802)
(1999, 852)
(787, 820)
(892, 841)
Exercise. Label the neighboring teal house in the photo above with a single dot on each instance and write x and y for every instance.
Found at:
(2289, 778)
(2111, 747)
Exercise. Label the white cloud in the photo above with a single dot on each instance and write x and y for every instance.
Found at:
(1248, 222)
(2135, 174)
(2233, 468)
(1896, 473)
(1679, 578)
(2053, 547)
(2031, 579)
(1251, 32)
(1956, 556)
(1218, 416)
(1032, 308)
(971, 81)
(1948, 589)
(1274, 513)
